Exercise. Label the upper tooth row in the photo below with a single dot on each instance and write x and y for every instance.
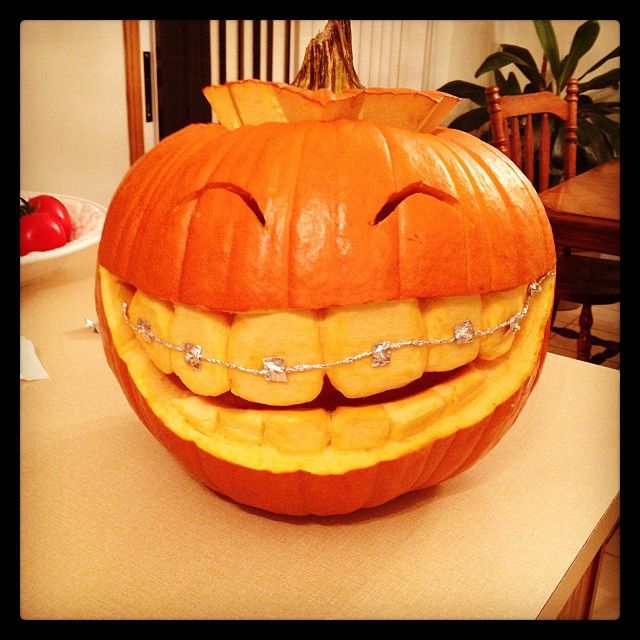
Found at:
(273, 343)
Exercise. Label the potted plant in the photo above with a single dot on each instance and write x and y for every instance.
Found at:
(598, 121)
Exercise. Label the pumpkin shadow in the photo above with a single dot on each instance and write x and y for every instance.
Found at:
(401, 504)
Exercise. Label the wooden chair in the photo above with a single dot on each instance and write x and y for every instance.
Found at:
(583, 279)
(510, 114)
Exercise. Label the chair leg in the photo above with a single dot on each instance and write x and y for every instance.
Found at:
(584, 337)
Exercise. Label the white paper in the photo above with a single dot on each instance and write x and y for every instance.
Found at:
(30, 367)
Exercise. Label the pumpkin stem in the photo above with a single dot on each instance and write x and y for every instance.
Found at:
(328, 60)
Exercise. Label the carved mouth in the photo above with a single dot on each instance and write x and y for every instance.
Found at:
(318, 416)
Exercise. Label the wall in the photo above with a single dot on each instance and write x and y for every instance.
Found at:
(73, 118)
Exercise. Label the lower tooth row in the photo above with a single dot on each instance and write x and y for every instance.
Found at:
(325, 336)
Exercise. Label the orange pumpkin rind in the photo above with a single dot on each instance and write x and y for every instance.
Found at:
(344, 218)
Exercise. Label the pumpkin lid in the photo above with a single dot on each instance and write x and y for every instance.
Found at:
(318, 214)
(246, 102)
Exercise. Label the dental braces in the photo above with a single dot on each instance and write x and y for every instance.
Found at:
(275, 368)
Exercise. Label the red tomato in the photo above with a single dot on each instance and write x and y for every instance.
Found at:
(49, 204)
(40, 232)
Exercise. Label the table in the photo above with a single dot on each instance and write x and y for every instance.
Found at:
(113, 528)
(584, 211)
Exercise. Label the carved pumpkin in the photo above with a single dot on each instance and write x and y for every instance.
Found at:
(329, 301)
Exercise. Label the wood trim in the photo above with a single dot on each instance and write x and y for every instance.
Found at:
(498, 134)
(584, 233)
(571, 135)
(541, 102)
(131, 34)
(580, 603)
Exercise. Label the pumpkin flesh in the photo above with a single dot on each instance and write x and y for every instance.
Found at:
(351, 434)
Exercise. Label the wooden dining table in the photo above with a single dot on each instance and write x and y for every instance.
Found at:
(584, 211)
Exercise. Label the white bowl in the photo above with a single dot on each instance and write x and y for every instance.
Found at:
(87, 218)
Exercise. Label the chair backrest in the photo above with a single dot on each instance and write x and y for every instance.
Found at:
(507, 114)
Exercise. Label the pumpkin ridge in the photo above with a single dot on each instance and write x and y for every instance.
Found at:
(455, 157)
(507, 237)
(462, 165)
(185, 243)
(465, 223)
(132, 203)
(398, 218)
(531, 253)
(154, 214)
(451, 445)
(419, 480)
(506, 196)
(549, 245)
(470, 451)
(375, 483)
(294, 216)
(385, 132)
(235, 233)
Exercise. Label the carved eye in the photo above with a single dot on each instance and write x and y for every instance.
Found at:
(249, 200)
(416, 187)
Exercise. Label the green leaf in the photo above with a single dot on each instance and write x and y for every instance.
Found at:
(513, 86)
(610, 128)
(612, 54)
(520, 52)
(507, 86)
(501, 81)
(529, 68)
(599, 107)
(469, 90)
(593, 143)
(498, 60)
(471, 120)
(582, 42)
(609, 78)
(547, 37)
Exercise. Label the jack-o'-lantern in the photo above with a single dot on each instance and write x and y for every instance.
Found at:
(326, 300)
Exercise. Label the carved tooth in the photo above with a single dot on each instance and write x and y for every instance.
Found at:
(290, 335)
(497, 307)
(359, 427)
(159, 315)
(297, 431)
(243, 425)
(198, 412)
(459, 392)
(440, 316)
(412, 415)
(346, 331)
(209, 330)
